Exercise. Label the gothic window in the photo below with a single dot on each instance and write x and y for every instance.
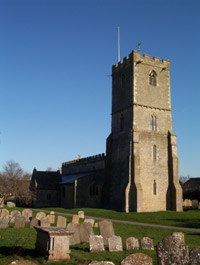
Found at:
(122, 80)
(121, 122)
(153, 123)
(93, 190)
(153, 78)
(154, 152)
(154, 187)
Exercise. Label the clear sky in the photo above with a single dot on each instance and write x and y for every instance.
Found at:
(55, 61)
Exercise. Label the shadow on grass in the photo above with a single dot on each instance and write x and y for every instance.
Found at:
(190, 223)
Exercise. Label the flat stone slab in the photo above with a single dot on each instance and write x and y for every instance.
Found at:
(106, 230)
(137, 259)
(96, 243)
(132, 243)
(147, 243)
(115, 244)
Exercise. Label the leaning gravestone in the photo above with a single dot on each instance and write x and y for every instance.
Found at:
(34, 222)
(75, 238)
(44, 222)
(172, 250)
(147, 243)
(106, 230)
(86, 231)
(27, 213)
(19, 222)
(137, 259)
(91, 221)
(13, 215)
(115, 244)
(81, 214)
(75, 219)
(132, 243)
(61, 222)
(4, 213)
(96, 243)
(51, 218)
(4, 221)
(40, 215)
(195, 256)
(101, 263)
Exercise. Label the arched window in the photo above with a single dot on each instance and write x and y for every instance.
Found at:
(122, 80)
(153, 78)
(93, 190)
(121, 122)
(153, 123)
(154, 187)
(154, 152)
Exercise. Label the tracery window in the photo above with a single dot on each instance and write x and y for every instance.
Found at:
(153, 78)
(153, 123)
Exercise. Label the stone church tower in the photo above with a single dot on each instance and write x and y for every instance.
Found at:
(142, 162)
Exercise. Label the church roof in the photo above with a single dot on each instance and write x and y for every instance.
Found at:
(72, 178)
(192, 183)
(46, 179)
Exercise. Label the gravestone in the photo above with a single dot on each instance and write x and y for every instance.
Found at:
(34, 222)
(187, 203)
(4, 213)
(81, 214)
(61, 222)
(106, 230)
(132, 243)
(4, 221)
(137, 259)
(11, 204)
(101, 263)
(52, 212)
(75, 219)
(172, 250)
(179, 237)
(115, 244)
(51, 218)
(27, 213)
(96, 243)
(13, 215)
(195, 256)
(22, 262)
(96, 225)
(19, 222)
(91, 221)
(195, 204)
(75, 238)
(86, 231)
(40, 215)
(147, 243)
(44, 222)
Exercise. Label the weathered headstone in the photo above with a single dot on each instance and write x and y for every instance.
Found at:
(96, 225)
(75, 238)
(10, 204)
(96, 243)
(195, 204)
(19, 222)
(13, 215)
(172, 250)
(61, 222)
(147, 243)
(91, 221)
(195, 256)
(179, 237)
(44, 222)
(101, 263)
(106, 230)
(51, 218)
(52, 212)
(132, 243)
(4, 221)
(27, 213)
(115, 244)
(40, 215)
(75, 219)
(137, 259)
(187, 203)
(4, 213)
(34, 222)
(86, 231)
(81, 214)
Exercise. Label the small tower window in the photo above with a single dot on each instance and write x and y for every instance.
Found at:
(153, 78)
(121, 122)
(122, 80)
(154, 187)
(154, 152)
(93, 190)
(153, 123)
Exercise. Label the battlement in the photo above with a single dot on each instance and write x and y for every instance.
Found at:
(137, 57)
(85, 160)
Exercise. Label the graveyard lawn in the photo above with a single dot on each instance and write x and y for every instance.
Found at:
(21, 241)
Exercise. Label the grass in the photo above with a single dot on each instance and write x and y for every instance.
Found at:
(22, 240)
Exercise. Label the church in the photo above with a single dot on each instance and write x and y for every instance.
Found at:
(139, 171)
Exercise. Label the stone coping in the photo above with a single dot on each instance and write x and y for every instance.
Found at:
(57, 231)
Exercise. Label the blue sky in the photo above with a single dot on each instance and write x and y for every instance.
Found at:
(55, 62)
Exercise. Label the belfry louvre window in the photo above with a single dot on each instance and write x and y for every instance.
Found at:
(153, 78)
(153, 123)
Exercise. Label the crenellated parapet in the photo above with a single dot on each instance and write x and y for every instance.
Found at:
(85, 160)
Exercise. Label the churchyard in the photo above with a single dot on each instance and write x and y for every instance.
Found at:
(18, 243)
